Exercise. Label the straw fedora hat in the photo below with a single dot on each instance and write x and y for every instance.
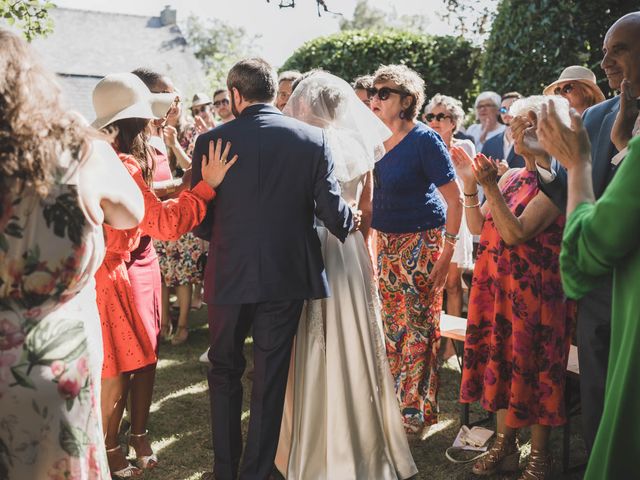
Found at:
(582, 75)
(124, 95)
(200, 99)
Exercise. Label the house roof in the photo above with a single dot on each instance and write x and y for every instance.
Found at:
(87, 45)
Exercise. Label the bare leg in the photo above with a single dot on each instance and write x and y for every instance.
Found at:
(141, 394)
(502, 428)
(114, 394)
(453, 287)
(184, 300)
(197, 295)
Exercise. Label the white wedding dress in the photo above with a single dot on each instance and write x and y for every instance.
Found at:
(341, 418)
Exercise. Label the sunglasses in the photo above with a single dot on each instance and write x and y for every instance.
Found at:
(439, 117)
(568, 88)
(224, 101)
(503, 110)
(384, 93)
(199, 110)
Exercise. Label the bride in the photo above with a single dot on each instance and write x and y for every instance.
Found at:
(341, 418)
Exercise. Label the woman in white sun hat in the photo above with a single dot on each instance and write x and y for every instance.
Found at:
(578, 85)
(124, 106)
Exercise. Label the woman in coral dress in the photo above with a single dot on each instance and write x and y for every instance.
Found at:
(519, 322)
(130, 327)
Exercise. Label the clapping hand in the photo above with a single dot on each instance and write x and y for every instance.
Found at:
(216, 165)
(485, 171)
(622, 130)
(503, 167)
(204, 122)
(170, 136)
(523, 130)
(570, 146)
(463, 164)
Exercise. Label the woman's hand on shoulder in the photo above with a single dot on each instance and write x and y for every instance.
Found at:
(215, 166)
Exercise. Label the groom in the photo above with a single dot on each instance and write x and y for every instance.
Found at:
(264, 260)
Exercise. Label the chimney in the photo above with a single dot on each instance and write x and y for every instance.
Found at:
(168, 16)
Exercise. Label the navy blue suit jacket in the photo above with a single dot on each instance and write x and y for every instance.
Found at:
(263, 243)
(494, 148)
(598, 121)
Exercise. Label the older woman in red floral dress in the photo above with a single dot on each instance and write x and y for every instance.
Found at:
(519, 322)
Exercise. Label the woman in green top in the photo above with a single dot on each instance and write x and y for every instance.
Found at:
(600, 237)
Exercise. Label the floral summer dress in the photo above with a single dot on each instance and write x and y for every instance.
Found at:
(50, 343)
(520, 322)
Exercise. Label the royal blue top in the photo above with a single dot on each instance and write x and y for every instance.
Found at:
(405, 199)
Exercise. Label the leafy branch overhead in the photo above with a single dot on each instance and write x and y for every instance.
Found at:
(321, 5)
(30, 16)
(218, 46)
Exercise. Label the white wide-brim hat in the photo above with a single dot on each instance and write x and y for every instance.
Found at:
(124, 95)
(582, 75)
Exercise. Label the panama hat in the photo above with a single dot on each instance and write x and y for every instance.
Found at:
(124, 95)
(200, 99)
(576, 73)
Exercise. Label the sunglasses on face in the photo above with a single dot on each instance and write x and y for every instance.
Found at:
(439, 117)
(384, 93)
(568, 88)
(199, 110)
(503, 110)
(224, 101)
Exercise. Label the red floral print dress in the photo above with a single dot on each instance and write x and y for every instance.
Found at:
(520, 322)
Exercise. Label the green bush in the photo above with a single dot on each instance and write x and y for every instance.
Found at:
(531, 42)
(447, 64)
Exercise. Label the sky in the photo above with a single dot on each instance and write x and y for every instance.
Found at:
(281, 30)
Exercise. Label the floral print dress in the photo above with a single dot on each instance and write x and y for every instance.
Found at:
(50, 343)
(520, 322)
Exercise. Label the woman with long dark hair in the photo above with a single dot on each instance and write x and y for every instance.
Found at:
(131, 271)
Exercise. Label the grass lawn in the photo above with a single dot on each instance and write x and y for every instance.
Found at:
(180, 422)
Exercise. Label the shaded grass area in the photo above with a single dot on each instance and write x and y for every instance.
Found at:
(180, 421)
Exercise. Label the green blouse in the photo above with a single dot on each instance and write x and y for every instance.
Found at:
(600, 238)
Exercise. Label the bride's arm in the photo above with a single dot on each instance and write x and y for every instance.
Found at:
(365, 206)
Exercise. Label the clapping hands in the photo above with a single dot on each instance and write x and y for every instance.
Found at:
(570, 146)
(626, 118)
(482, 170)
(204, 122)
(485, 170)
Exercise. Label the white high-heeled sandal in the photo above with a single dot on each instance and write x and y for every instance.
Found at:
(130, 471)
(145, 462)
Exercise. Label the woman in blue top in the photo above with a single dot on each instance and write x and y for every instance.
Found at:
(416, 239)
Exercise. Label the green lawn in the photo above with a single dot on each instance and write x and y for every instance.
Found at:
(180, 424)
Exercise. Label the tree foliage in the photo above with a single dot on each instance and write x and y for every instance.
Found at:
(30, 16)
(367, 17)
(218, 46)
(447, 64)
(531, 42)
